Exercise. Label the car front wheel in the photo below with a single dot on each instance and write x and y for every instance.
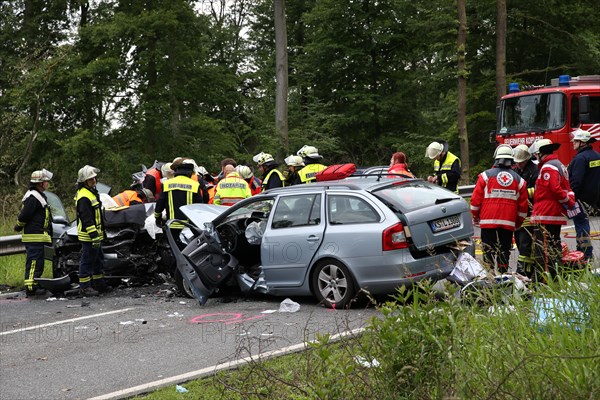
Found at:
(333, 285)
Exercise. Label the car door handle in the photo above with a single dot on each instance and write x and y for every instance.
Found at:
(313, 238)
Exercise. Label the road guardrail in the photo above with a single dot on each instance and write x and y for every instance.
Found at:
(10, 245)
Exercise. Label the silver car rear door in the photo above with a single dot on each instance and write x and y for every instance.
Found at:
(292, 237)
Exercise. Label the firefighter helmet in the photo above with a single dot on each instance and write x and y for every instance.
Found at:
(87, 172)
(147, 194)
(166, 170)
(262, 158)
(244, 171)
(521, 153)
(294, 161)
(583, 136)
(434, 149)
(41, 176)
(309, 151)
(503, 151)
(545, 146)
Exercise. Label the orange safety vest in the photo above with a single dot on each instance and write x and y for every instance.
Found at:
(255, 185)
(125, 198)
(156, 175)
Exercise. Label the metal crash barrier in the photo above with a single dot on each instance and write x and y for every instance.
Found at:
(10, 245)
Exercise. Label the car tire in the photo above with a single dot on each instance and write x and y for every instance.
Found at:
(333, 284)
(182, 285)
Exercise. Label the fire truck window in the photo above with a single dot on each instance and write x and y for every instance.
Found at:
(594, 110)
(574, 112)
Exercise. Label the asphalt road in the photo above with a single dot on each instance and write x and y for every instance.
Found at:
(88, 347)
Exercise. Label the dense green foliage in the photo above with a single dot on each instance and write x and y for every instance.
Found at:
(423, 348)
(120, 83)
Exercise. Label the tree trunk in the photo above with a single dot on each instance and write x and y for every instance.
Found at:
(281, 76)
(463, 138)
(500, 49)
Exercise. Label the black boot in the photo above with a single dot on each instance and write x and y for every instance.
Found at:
(88, 291)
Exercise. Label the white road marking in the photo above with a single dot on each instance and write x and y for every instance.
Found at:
(146, 387)
(65, 321)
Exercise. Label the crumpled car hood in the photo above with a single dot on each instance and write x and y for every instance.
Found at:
(202, 213)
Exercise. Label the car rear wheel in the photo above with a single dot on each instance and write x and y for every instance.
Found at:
(333, 284)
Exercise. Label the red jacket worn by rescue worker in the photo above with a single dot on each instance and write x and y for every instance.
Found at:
(399, 168)
(552, 193)
(499, 199)
(255, 185)
(127, 198)
(152, 181)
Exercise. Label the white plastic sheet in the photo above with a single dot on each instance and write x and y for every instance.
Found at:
(467, 268)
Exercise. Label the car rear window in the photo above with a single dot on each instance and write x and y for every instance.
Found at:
(409, 196)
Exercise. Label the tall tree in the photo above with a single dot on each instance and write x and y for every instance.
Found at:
(281, 74)
(463, 137)
(500, 49)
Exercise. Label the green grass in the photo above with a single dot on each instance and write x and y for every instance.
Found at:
(12, 271)
(431, 349)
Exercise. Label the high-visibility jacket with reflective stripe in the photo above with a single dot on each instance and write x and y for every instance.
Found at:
(552, 193)
(499, 199)
(308, 174)
(269, 182)
(448, 171)
(90, 223)
(35, 218)
(177, 192)
(125, 198)
(231, 189)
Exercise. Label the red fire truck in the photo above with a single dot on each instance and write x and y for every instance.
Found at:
(552, 112)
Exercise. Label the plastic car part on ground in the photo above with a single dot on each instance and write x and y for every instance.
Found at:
(288, 305)
(558, 312)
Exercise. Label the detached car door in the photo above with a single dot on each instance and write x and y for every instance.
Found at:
(292, 238)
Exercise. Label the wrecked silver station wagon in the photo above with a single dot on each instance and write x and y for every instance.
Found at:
(327, 239)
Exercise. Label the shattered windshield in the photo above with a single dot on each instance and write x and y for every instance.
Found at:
(532, 113)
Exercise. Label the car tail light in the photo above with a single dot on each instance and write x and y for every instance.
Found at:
(394, 238)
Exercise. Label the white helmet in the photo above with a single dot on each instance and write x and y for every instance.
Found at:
(582, 136)
(41, 176)
(87, 172)
(202, 171)
(434, 150)
(503, 151)
(521, 153)
(191, 162)
(166, 169)
(294, 161)
(545, 146)
(244, 171)
(309, 151)
(262, 158)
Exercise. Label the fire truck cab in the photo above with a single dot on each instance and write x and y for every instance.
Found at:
(552, 112)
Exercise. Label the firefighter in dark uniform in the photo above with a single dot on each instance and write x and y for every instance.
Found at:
(294, 165)
(35, 220)
(90, 232)
(527, 170)
(584, 178)
(312, 162)
(447, 166)
(273, 178)
(178, 192)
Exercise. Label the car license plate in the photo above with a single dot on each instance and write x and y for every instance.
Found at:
(444, 224)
